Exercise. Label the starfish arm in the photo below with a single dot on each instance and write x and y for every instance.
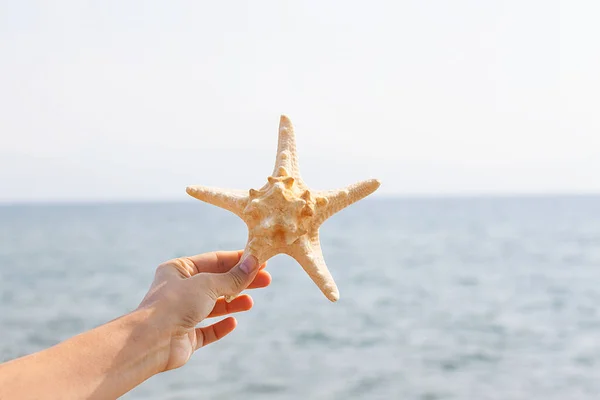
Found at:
(339, 199)
(309, 255)
(228, 199)
(287, 156)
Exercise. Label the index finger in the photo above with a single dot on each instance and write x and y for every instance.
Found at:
(215, 261)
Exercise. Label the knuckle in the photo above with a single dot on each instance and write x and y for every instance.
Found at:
(163, 269)
(181, 265)
(164, 265)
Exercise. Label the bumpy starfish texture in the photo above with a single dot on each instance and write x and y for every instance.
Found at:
(284, 215)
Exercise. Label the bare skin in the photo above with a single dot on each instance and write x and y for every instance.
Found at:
(161, 334)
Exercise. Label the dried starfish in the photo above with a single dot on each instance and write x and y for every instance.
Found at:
(284, 216)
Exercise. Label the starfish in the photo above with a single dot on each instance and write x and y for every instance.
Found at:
(284, 215)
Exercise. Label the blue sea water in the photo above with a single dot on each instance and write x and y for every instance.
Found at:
(481, 298)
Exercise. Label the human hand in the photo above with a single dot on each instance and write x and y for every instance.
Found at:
(187, 290)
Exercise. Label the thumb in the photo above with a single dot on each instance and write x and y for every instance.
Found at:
(234, 281)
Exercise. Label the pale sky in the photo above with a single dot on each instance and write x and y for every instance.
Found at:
(136, 100)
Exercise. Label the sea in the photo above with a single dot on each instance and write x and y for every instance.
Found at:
(441, 298)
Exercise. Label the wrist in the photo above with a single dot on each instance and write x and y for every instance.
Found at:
(152, 335)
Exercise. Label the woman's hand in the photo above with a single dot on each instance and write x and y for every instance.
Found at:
(187, 290)
(161, 334)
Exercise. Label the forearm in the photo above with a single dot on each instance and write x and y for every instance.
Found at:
(105, 362)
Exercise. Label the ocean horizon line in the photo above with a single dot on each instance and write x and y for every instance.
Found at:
(378, 197)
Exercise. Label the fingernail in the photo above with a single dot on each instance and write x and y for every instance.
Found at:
(249, 265)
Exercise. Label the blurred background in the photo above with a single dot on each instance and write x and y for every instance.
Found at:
(471, 273)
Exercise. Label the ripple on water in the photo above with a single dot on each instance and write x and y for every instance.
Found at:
(478, 359)
(264, 388)
(312, 338)
(365, 386)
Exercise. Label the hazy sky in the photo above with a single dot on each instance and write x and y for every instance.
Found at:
(135, 100)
